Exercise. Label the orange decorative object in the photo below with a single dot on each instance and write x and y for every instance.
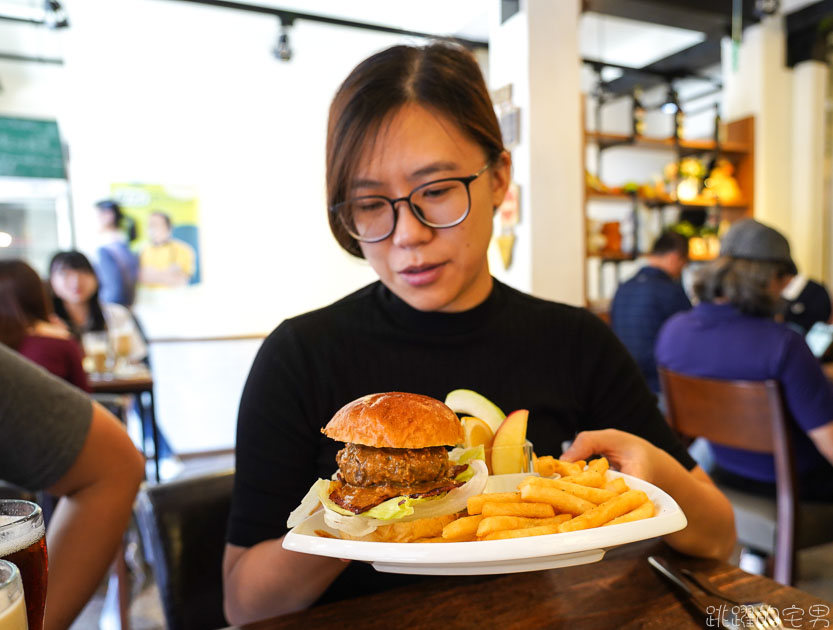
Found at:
(613, 237)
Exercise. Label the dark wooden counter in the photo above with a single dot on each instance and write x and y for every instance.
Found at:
(621, 591)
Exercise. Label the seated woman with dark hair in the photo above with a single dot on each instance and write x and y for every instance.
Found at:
(732, 334)
(75, 296)
(25, 327)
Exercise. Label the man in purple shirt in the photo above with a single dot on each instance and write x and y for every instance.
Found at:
(731, 334)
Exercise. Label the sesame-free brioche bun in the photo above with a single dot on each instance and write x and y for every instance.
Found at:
(395, 420)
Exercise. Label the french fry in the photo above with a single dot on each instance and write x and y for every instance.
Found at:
(588, 493)
(599, 514)
(559, 499)
(532, 510)
(599, 465)
(646, 510)
(617, 485)
(440, 539)
(464, 527)
(587, 478)
(475, 503)
(492, 524)
(521, 533)
(545, 466)
(565, 469)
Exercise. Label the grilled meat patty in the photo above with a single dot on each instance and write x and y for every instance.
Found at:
(368, 466)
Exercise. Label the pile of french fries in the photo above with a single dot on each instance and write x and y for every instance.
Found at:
(585, 496)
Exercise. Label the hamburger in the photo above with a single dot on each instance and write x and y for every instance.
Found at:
(396, 480)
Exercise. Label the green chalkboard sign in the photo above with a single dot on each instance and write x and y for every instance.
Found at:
(30, 148)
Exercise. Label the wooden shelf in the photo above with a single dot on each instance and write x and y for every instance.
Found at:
(613, 257)
(738, 147)
(657, 202)
(687, 147)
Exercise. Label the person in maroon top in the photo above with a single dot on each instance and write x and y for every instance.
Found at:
(26, 326)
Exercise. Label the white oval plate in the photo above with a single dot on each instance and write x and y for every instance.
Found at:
(494, 556)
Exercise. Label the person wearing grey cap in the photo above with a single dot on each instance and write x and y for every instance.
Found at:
(732, 334)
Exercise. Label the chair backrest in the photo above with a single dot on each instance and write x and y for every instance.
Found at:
(748, 415)
(183, 524)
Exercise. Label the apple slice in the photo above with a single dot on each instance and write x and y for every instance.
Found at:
(509, 442)
(470, 403)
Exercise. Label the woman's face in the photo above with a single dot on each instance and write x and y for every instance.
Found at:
(72, 285)
(431, 269)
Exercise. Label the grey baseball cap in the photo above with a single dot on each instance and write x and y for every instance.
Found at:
(752, 240)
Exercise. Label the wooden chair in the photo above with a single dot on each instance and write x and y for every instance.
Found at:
(751, 415)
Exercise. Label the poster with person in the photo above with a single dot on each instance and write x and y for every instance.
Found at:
(167, 224)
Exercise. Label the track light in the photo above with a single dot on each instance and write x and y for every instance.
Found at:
(282, 49)
(54, 15)
(671, 104)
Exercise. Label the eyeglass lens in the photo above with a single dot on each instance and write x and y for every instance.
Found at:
(437, 204)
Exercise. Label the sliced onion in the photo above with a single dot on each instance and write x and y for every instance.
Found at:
(309, 505)
(454, 501)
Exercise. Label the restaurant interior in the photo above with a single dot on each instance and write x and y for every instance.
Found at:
(204, 122)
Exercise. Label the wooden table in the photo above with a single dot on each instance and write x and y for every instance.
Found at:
(140, 386)
(621, 591)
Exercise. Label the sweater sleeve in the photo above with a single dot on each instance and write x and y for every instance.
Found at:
(276, 448)
(75, 367)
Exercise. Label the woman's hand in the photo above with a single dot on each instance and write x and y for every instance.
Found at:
(711, 525)
(626, 452)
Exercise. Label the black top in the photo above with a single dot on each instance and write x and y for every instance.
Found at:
(561, 363)
(810, 306)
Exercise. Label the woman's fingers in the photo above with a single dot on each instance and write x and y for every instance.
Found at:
(626, 452)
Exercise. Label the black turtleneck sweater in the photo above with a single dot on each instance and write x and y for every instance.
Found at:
(561, 363)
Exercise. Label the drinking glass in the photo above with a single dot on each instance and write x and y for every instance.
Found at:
(96, 349)
(121, 343)
(23, 542)
(513, 459)
(12, 606)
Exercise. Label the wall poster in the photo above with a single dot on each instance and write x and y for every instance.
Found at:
(167, 226)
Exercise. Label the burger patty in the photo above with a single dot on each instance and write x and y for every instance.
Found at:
(358, 499)
(366, 466)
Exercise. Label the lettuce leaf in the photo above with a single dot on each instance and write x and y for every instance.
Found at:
(398, 507)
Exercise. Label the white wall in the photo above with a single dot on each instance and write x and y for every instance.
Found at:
(536, 51)
(182, 94)
(187, 95)
(788, 105)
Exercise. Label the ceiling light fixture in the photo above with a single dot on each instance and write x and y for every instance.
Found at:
(282, 49)
(671, 104)
(54, 15)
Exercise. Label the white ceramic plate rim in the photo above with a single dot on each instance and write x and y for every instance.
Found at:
(669, 518)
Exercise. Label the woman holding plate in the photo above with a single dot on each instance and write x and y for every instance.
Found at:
(415, 170)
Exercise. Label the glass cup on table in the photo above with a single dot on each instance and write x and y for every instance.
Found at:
(511, 459)
(23, 543)
(12, 602)
(122, 345)
(96, 352)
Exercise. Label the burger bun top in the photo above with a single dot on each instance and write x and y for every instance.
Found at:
(395, 420)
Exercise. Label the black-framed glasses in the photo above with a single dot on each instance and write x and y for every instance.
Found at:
(442, 203)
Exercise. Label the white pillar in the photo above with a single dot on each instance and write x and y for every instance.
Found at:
(808, 222)
(537, 51)
(762, 87)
